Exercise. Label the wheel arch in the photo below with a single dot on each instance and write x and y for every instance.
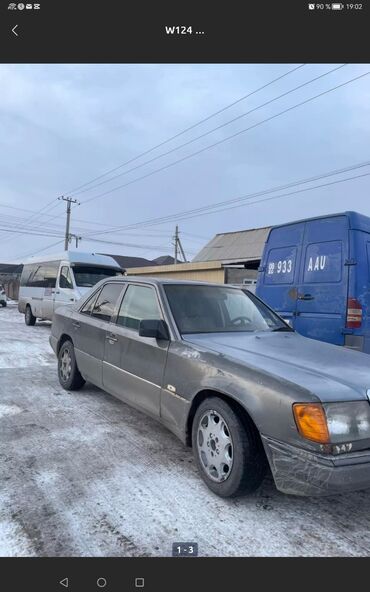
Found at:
(236, 406)
(64, 337)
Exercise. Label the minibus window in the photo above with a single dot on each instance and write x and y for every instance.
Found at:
(27, 273)
(44, 275)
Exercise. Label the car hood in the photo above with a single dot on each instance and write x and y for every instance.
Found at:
(331, 372)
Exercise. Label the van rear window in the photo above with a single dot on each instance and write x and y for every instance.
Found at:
(280, 266)
(323, 262)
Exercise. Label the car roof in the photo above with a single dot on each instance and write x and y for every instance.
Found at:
(164, 281)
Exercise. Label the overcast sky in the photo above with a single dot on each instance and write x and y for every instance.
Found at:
(63, 125)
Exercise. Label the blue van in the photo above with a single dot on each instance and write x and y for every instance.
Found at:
(316, 274)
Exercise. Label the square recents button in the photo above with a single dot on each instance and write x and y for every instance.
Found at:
(139, 582)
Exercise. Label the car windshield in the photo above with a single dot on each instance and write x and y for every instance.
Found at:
(219, 309)
(87, 276)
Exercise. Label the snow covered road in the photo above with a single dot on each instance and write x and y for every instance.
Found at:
(82, 474)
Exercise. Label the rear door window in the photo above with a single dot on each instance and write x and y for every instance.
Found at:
(140, 302)
(323, 262)
(106, 301)
(89, 305)
(280, 266)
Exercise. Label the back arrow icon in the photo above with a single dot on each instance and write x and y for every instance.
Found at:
(64, 582)
(14, 30)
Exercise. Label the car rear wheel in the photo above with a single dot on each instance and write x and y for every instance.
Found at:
(3, 303)
(227, 449)
(29, 319)
(68, 372)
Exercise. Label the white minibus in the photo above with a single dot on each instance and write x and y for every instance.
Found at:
(55, 280)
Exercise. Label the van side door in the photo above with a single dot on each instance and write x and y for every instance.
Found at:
(323, 287)
(46, 277)
(279, 271)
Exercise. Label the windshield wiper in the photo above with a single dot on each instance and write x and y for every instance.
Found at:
(284, 328)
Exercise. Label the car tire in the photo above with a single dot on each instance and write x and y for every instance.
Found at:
(3, 304)
(29, 319)
(239, 459)
(68, 372)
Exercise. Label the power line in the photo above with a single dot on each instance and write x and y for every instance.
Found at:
(296, 192)
(137, 246)
(81, 221)
(40, 250)
(72, 192)
(288, 194)
(37, 213)
(12, 221)
(191, 155)
(29, 232)
(274, 197)
(222, 125)
(209, 208)
(154, 247)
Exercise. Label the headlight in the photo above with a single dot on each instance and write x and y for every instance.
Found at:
(333, 422)
(348, 422)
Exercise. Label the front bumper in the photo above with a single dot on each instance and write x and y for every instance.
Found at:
(300, 472)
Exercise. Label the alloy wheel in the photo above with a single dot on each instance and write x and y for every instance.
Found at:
(215, 446)
(65, 365)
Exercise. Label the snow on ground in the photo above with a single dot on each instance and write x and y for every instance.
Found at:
(13, 542)
(22, 348)
(82, 474)
(9, 410)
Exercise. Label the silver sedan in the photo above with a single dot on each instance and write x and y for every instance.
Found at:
(229, 377)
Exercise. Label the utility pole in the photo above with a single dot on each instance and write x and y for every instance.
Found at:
(77, 238)
(176, 243)
(178, 246)
(69, 201)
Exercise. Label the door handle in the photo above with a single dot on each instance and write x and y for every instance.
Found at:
(111, 338)
(76, 325)
(305, 297)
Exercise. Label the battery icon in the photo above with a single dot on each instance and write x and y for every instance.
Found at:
(337, 6)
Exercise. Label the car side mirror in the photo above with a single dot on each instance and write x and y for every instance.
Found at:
(154, 328)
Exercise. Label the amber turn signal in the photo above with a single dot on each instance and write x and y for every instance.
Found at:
(311, 422)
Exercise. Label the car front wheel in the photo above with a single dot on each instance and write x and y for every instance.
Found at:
(227, 449)
(68, 372)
